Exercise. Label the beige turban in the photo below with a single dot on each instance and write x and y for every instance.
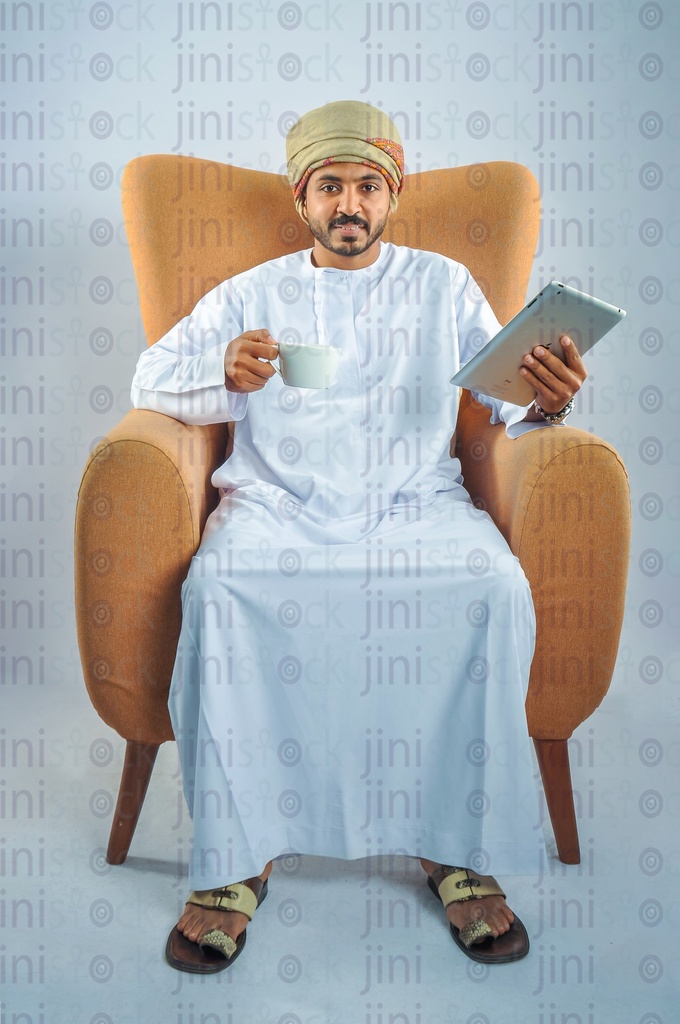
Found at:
(346, 131)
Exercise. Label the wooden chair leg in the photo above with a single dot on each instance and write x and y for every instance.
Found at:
(553, 761)
(139, 761)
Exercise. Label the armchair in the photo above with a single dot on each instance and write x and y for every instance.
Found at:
(146, 491)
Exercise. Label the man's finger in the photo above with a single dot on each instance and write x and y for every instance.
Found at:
(542, 387)
(262, 334)
(573, 356)
(252, 369)
(263, 350)
(259, 344)
(546, 365)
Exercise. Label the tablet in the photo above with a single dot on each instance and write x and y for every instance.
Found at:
(557, 309)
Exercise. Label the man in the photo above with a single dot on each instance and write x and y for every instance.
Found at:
(356, 636)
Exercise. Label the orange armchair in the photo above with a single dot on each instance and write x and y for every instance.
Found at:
(146, 490)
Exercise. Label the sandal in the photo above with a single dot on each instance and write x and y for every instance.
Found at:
(216, 950)
(476, 939)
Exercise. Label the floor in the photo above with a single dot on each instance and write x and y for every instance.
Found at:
(361, 942)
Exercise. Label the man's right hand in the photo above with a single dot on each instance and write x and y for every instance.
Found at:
(244, 369)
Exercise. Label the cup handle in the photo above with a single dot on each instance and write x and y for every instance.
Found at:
(276, 368)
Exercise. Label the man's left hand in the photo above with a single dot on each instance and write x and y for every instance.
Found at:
(555, 382)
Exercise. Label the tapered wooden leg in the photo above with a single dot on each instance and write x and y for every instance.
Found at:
(553, 761)
(139, 761)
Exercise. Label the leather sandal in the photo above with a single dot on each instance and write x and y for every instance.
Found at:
(476, 939)
(216, 950)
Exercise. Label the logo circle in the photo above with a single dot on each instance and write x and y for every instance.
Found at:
(650, 290)
(289, 803)
(289, 67)
(289, 614)
(289, 16)
(289, 669)
(651, 969)
(101, 176)
(651, 614)
(651, 341)
(101, 753)
(478, 124)
(651, 450)
(101, 67)
(101, 803)
(651, 669)
(477, 614)
(101, 969)
(101, 290)
(101, 341)
(650, 176)
(651, 803)
(651, 506)
(478, 16)
(478, 803)
(290, 968)
(651, 67)
(650, 861)
(478, 67)
(651, 398)
(651, 16)
(289, 753)
(101, 16)
(651, 124)
(101, 124)
(477, 669)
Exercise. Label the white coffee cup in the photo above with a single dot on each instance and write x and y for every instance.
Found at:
(307, 366)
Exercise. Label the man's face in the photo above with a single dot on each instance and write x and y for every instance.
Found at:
(347, 206)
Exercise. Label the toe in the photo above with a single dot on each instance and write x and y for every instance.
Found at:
(502, 918)
(184, 921)
(493, 910)
(190, 925)
(496, 919)
(507, 913)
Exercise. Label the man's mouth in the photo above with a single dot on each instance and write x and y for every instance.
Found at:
(349, 228)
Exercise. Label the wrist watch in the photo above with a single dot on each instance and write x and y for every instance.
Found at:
(555, 417)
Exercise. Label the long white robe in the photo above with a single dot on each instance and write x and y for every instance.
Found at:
(356, 637)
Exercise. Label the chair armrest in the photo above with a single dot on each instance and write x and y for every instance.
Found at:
(142, 504)
(560, 497)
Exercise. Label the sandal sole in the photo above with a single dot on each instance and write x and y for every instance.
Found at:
(185, 955)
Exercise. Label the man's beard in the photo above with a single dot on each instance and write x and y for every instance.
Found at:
(349, 246)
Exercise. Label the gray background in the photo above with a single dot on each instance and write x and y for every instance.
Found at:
(586, 95)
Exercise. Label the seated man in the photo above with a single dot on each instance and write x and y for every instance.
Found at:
(356, 636)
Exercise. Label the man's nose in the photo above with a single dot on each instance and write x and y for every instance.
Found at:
(349, 202)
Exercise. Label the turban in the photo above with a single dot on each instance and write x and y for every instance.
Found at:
(346, 131)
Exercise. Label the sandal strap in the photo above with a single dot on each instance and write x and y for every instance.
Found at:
(473, 932)
(235, 897)
(462, 884)
(220, 941)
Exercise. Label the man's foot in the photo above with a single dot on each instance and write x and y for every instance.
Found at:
(484, 928)
(492, 909)
(206, 940)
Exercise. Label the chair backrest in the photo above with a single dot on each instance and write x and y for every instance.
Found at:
(192, 223)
